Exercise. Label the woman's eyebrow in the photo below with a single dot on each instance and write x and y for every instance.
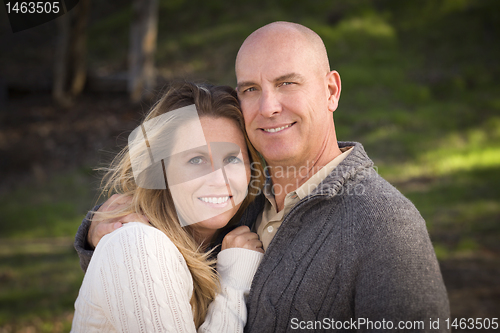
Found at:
(233, 152)
(203, 150)
(225, 147)
(225, 152)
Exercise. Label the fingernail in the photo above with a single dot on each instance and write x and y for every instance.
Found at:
(117, 225)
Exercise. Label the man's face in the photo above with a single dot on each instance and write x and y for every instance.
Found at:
(285, 98)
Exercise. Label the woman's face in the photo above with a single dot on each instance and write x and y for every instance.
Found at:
(209, 182)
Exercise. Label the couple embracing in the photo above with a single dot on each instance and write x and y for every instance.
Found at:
(245, 214)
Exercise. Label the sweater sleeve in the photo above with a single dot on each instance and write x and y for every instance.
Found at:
(399, 277)
(228, 312)
(138, 281)
(81, 246)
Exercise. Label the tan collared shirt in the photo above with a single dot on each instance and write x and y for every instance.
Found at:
(270, 219)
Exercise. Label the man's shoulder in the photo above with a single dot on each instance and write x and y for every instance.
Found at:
(357, 178)
(362, 198)
(375, 196)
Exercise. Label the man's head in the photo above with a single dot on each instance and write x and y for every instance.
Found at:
(287, 93)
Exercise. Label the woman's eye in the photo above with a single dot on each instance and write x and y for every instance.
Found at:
(196, 160)
(232, 160)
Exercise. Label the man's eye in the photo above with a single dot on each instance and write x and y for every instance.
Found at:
(232, 160)
(249, 89)
(196, 160)
(286, 83)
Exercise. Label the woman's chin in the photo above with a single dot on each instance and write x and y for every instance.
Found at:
(215, 222)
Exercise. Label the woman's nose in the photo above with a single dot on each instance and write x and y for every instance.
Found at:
(216, 178)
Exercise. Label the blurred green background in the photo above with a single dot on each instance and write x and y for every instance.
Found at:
(420, 92)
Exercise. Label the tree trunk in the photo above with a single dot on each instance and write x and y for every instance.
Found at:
(142, 76)
(70, 55)
(61, 62)
(79, 47)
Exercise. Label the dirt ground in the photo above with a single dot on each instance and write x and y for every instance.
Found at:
(38, 139)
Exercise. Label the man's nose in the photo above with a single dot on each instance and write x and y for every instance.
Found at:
(269, 104)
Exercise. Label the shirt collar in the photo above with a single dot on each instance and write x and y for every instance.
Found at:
(313, 182)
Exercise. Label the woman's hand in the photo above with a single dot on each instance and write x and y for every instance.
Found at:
(244, 238)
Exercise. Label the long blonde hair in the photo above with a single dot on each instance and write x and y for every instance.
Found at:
(158, 205)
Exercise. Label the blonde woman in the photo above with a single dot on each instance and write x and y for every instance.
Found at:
(187, 170)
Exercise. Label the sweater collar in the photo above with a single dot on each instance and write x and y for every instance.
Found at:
(356, 164)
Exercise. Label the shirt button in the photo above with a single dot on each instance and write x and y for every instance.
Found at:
(270, 229)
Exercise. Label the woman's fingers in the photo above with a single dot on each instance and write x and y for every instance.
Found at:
(254, 244)
(239, 230)
(242, 237)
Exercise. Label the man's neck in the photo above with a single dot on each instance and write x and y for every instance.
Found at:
(288, 177)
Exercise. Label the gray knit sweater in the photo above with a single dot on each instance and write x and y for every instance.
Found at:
(354, 251)
(354, 254)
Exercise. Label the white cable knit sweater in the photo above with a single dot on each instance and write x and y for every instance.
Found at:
(138, 281)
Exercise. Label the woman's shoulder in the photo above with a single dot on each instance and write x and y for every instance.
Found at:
(131, 230)
(131, 267)
(138, 239)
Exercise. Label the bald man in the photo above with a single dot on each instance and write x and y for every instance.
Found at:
(344, 249)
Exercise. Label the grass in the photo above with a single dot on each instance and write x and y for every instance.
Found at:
(461, 210)
(38, 285)
(39, 271)
(51, 209)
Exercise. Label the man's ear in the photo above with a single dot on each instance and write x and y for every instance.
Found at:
(334, 88)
